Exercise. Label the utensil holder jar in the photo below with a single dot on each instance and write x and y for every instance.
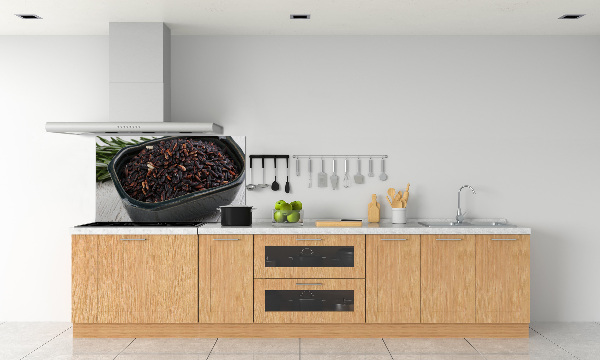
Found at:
(398, 215)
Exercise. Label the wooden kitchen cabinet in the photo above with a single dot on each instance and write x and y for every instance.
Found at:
(447, 278)
(84, 281)
(147, 278)
(502, 269)
(393, 279)
(225, 278)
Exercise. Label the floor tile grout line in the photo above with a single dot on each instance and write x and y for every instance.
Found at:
(299, 348)
(474, 348)
(212, 348)
(120, 352)
(387, 348)
(39, 347)
(552, 342)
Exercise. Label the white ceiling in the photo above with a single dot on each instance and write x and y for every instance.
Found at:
(328, 17)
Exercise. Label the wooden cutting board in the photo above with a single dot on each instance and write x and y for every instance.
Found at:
(333, 223)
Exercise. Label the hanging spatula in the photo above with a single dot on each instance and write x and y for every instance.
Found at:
(322, 177)
(334, 178)
(359, 178)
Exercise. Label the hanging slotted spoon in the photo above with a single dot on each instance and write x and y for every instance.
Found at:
(334, 178)
(359, 178)
(322, 177)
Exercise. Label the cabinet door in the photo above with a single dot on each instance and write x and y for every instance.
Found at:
(84, 284)
(148, 278)
(393, 279)
(502, 278)
(448, 278)
(225, 280)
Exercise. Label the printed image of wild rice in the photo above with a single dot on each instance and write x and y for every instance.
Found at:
(176, 167)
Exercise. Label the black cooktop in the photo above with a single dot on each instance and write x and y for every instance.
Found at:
(167, 224)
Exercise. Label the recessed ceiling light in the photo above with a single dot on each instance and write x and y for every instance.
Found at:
(571, 16)
(28, 16)
(300, 16)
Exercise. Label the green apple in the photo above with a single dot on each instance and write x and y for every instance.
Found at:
(278, 204)
(285, 208)
(293, 217)
(279, 216)
(296, 205)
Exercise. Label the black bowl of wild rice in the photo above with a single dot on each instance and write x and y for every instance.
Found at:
(180, 178)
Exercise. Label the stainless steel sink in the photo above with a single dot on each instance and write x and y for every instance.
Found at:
(465, 224)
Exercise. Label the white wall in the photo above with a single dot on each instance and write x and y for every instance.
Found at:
(516, 117)
(46, 180)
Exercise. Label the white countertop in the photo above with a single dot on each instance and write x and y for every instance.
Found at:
(264, 226)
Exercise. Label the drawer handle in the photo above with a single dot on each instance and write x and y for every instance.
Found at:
(393, 239)
(504, 239)
(449, 239)
(309, 284)
(309, 239)
(226, 239)
(133, 239)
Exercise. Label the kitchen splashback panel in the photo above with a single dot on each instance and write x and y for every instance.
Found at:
(200, 191)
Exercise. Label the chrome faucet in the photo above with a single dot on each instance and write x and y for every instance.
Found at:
(460, 215)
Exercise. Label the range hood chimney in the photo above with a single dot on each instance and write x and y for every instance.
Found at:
(139, 85)
(139, 72)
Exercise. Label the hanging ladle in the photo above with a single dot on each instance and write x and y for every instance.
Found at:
(251, 186)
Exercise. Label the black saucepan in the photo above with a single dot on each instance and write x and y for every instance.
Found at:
(236, 215)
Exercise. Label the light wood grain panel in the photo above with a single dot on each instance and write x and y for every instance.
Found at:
(225, 280)
(447, 279)
(111, 304)
(262, 272)
(300, 330)
(356, 316)
(393, 279)
(84, 283)
(502, 268)
(148, 281)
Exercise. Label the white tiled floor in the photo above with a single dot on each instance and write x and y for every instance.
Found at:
(54, 341)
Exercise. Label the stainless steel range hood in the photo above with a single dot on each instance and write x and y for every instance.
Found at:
(138, 128)
(139, 86)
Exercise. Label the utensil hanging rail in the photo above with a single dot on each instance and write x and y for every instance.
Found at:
(340, 156)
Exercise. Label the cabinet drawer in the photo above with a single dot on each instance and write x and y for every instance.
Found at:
(309, 300)
(309, 256)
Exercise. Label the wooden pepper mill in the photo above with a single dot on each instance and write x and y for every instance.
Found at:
(374, 209)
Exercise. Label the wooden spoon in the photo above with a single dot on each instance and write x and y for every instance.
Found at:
(388, 199)
(391, 192)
